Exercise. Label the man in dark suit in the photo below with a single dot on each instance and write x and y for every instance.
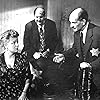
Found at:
(32, 43)
(40, 42)
(86, 49)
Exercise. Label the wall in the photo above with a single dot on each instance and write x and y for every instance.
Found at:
(92, 6)
(54, 11)
(57, 7)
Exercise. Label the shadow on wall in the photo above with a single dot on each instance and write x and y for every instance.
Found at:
(66, 32)
(9, 5)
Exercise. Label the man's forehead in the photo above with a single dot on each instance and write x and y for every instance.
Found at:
(13, 39)
(75, 14)
(73, 17)
(39, 11)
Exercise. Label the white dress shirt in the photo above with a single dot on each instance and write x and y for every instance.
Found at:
(39, 26)
(84, 31)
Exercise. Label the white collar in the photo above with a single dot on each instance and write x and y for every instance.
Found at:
(84, 31)
(39, 26)
(85, 28)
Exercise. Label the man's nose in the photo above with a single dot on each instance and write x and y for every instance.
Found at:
(17, 44)
(71, 25)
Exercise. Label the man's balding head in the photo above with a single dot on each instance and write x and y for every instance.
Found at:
(39, 15)
(40, 10)
(79, 14)
(78, 18)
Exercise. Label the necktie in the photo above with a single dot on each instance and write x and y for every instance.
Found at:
(81, 43)
(42, 40)
(81, 38)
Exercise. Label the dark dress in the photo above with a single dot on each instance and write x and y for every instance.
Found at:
(12, 80)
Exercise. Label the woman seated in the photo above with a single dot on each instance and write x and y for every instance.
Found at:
(15, 72)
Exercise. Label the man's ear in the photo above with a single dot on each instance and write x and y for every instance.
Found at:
(84, 21)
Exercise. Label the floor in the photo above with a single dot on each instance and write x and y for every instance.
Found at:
(68, 95)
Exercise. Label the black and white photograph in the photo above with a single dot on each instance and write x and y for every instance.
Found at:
(49, 50)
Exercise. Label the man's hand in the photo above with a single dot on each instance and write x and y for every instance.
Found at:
(37, 74)
(84, 65)
(58, 58)
(37, 55)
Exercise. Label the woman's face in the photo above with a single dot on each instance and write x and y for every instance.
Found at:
(12, 45)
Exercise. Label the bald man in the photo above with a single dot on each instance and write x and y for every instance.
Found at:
(40, 42)
(86, 47)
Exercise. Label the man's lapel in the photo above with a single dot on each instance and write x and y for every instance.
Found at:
(89, 40)
(45, 29)
(78, 43)
(35, 28)
(35, 34)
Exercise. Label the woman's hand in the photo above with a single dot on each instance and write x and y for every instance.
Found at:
(37, 74)
(23, 96)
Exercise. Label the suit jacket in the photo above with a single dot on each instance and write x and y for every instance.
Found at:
(32, 39)
(91, 50)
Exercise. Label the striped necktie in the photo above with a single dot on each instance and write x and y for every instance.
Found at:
(42, 40)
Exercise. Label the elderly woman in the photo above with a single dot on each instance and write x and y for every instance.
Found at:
(15, 72)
